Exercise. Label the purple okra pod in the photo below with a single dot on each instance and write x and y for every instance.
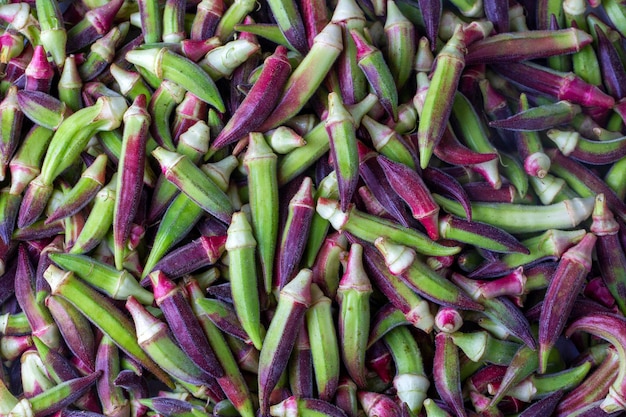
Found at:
(410, 186)
(179, 315)
(352, 82)
(208, 14)
(609, 327)
(431, 13)
(539, 118)
(224, 318)
(251, 114)
(201, 252)
(131, 167)
(114, 402)
(75, 330)
(447, 373)
(39, 317)
(295, 232)
(522, 46)
(307, 77)
(416, 310)
(595, 388)
(294, 300)
(443, 183)
(94, 25)
(300, 366)
(371, 61)
(451, 150)
(611, 258)
(39, 72)
(563, 86)
(559, 301)
(378, 405)
(372, 174)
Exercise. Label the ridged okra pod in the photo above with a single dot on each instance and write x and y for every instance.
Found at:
(174, 304)
(155, 340)
(341, 129)
(131, 168)
(371, 61)
(260, 162)
(118, 284)
(519, 218)
(295, 232)
(324, 345)
(244, 282)
(436, 111)
(294, 300)
(194, 183)
(353, 296)
(167, 65)
(266, 90)
(369, 228)
(410, 380)
(64, 149)
(307, 77)
(559, 301)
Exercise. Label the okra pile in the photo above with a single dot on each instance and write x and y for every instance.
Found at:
(312, 208)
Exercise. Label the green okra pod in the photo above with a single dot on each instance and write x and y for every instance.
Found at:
(324, 344)
(260, 162)
(118, 284)
(341, 130)
(369, 228)
(443, 85)
(410, 380)
(520, 218)
(168, 65)
(353, 296)
(154, 338)
(194, 183)
(241, 248)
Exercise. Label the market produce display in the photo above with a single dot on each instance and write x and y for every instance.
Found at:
(316, 208)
